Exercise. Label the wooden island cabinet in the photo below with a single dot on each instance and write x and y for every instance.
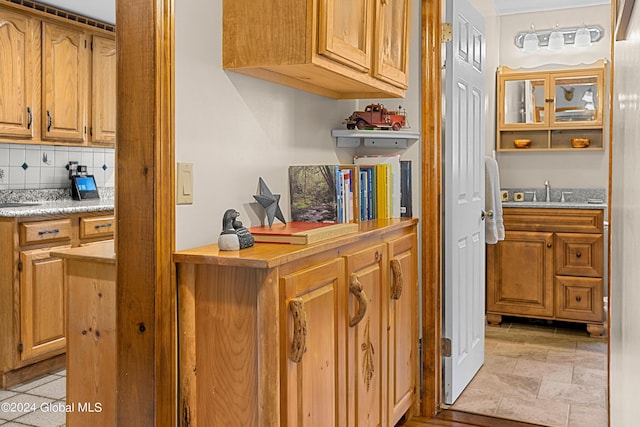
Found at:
(320, 335)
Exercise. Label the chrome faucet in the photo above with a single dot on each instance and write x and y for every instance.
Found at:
(546, 188)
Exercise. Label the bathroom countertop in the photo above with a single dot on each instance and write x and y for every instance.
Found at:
(555, 205)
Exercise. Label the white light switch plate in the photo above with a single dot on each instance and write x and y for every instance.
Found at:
(184, 178)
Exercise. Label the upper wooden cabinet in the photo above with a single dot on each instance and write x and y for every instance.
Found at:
(64, 90)
(18, 35)
(551, 108)
(103, 91)
(336, 48)
(57, 80)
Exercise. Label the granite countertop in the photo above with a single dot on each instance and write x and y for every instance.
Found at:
(555, 205)
(52, 202)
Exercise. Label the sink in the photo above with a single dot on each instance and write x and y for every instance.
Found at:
(17, 204)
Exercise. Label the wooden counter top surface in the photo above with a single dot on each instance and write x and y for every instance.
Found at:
(102, 252)
(269, 255)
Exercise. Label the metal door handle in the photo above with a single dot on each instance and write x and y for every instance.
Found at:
(486, 214)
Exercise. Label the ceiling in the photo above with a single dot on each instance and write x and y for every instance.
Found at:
(105, 10)
(511, 7)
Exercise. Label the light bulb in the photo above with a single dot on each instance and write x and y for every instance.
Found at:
(556, 39)
(583, 37)
(530, 43)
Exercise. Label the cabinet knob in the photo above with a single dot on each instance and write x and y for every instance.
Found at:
(578, 298)
(549, 245)
(578, 254)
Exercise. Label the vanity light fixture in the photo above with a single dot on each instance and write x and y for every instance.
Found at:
(555, 39)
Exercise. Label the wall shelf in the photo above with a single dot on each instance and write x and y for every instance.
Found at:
(346, 138)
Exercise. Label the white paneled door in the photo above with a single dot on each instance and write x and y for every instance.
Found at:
(464, 241)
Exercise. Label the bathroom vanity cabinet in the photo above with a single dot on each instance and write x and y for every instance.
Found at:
(550, 108)
(549, 266)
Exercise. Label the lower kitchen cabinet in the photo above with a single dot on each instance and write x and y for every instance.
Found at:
(549, 266)
(42, 307)
(33, 310)
(294, 335)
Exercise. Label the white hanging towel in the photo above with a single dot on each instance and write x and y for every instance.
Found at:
(494, 227)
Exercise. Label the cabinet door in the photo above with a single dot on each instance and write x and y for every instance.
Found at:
(578, 98)
(313, 387)
(64, 71)
(392, 41)
(520, 274)
(42, 304)
(103, 93)
(366, 337)
(403, 337)
(345, 32)
(17, 52)
(523, 101)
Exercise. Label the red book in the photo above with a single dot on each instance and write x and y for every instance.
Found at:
(301, 233)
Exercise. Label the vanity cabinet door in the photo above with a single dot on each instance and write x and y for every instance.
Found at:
(313, 389)
(64, 91)
(42, 304)
(520, 274)
(18, 50)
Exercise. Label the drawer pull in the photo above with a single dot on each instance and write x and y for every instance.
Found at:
(355, 287)
(299, 341)
(50, 121)
(106, 225)
(578, 298)
(578, 254)
(30, 118)
(54, 231)
(398, 281)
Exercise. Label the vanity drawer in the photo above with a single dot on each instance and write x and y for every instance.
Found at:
(579, 298)
(579, 254)
(97, 226)
(550, 219)
(44, 231)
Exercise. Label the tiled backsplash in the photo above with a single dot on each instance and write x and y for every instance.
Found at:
(45, 166)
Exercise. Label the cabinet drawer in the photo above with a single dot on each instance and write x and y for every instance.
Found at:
(99, 226)
(561, 220)
(579, 298)
(579, 254)
(44, 231)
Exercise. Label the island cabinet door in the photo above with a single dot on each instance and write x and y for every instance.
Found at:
(42, 304)
(313, 392)
(403, 325)
(366, 337)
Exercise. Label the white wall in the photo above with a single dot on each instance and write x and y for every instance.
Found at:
(625, 233)
(235, 129)
(561, 169)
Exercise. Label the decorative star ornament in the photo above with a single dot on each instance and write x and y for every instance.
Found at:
(269, 201)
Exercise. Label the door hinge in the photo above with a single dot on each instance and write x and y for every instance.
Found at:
(19, 265)
(446, 347)
(20, 347)
(446, 32)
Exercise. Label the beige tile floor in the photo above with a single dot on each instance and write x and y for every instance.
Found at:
(37, 403)
(536, 372)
